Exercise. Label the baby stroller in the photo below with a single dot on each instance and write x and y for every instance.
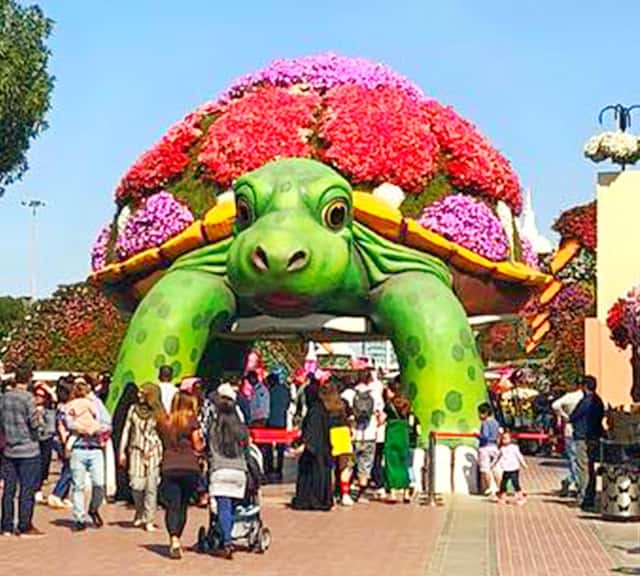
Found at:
(248, 528)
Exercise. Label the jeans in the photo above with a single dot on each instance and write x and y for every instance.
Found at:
(46, 448)
(85, 461)
(225, 508)
(176, 492)
(63, 485)
(586, 456)
(145, 495)
(26, 472)
(570, 453)
(512, 476)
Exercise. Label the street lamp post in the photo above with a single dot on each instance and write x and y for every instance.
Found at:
(33, 206)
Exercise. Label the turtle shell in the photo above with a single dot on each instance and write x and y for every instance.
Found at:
(422, 176)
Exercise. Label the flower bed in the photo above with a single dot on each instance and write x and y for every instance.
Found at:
(579, 223)
(368, 122)
(623, 320)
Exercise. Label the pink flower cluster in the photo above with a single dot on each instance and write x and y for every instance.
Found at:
(529, 256)
(263, 125)
(468, 222)
(323, 72)
(166, 159)
(159, 218)
(376, 136)
(100, 247)
(473, 165)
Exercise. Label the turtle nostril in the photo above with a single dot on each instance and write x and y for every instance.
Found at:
(259, 259)
(297, 260)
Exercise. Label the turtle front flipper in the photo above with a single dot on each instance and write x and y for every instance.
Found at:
(442, 373)
(171, 326)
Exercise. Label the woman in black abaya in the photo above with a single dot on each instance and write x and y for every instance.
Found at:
(313, 486)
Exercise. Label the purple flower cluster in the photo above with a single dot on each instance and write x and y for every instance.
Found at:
(99, 250)
(322, 72)
(159, 218)
(468, 222)
(529, 257)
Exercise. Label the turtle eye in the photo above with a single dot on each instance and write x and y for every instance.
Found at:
(244, 213)
(335, 214)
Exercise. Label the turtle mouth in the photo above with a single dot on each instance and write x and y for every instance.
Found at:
(285, 303)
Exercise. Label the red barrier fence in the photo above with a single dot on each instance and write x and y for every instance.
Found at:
(260, 435)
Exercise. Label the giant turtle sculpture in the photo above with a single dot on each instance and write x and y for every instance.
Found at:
(294, 237)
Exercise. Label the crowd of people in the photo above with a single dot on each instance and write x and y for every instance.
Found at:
(177, 445)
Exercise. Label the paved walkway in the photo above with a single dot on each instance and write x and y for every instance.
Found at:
(466, 536)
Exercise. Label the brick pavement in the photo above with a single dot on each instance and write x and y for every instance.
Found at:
(467, 536)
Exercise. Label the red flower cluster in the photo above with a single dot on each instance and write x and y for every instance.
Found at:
(616, 324)
(166, 159)
(474, 166)
(264, 125)
(76, 329)
(579, 223)
(377, 136)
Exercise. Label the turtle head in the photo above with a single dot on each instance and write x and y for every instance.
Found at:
(292, 245)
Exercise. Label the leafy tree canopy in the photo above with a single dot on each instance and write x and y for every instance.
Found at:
(25, 84)
(12, 312)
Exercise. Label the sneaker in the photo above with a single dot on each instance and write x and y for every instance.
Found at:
(32, 532)
(78, 527)
(149, 527)
(67, 503)
(175, 552)
(346, 500)
(225, 552)
(40, 497)
(137, 522)
(6, 533)
(54, 502)
(521, 501)
(96, 519)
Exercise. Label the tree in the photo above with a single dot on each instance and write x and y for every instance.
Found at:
(25, 84)
(12, 312)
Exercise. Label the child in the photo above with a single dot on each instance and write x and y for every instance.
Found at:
(488, 450)
(510, 460)
(81, 413)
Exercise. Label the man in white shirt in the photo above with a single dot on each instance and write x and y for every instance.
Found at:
(167, 389)
(367, 405)
(563, 407)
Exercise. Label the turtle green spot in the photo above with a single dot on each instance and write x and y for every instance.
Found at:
(159, 361)
(413, 346)
(142, 311)
(413, 391)
(453, 401)
(163, 310)
(177, 368)
(457, 352)
(197, 322)
(129, 376)
(463, 425)
(171, 345)
(141, 336)
(465, 338)
(194, 355)
(437, 418)
(421, 362)
(472, 372)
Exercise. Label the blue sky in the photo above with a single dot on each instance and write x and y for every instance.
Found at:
(531, 74)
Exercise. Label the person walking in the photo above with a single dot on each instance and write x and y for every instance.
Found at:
(87, 453)
(182, 441)
(58, 497)
(586, 419)
(563, 407)
(44, 398)
(227, 464)
(510, 460)
(396, 445)
(167, 388)
(141, 448)
(279, 404)
(313, 485)
(20, 425)
(488, 450)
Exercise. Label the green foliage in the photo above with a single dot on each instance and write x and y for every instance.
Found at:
(12, 312)
(197, 193)
(438, 188)
(25, 84)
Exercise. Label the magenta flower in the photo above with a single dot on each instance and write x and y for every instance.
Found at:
(529, 257)
(468, 222)
(99, 250)
(159, 218)
(321, 72)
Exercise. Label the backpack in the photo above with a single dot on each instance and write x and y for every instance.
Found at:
(363, 407)
(260, 402)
